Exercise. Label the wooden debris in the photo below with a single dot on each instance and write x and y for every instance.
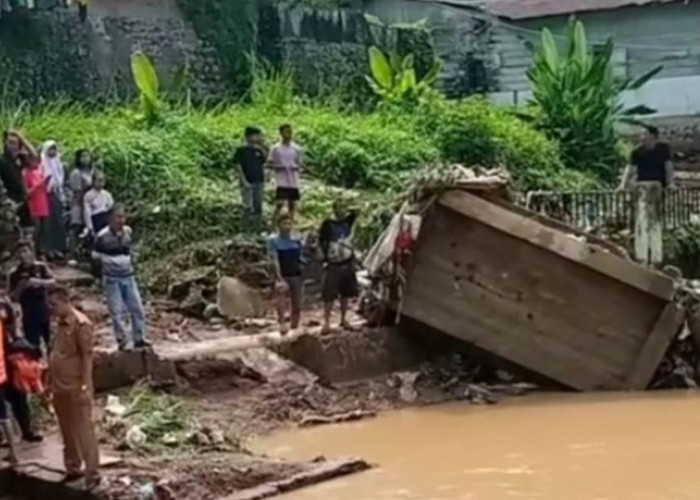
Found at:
(313, 420)
(323, 472)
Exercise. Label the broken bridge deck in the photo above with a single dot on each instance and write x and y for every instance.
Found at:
(539, 294)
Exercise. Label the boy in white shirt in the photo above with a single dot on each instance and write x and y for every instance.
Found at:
(98, 203)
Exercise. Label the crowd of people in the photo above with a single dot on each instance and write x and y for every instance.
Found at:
(49, 352)
(65, 216)
(286, 160)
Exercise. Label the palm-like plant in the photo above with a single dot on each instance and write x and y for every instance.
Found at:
(577, 101)
(394, 78)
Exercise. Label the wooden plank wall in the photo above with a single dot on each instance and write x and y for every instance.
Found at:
(512, 298)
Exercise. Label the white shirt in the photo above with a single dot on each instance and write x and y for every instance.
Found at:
(96, 202)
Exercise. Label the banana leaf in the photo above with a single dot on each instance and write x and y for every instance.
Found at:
(381, 69)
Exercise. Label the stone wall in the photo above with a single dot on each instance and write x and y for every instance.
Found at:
(325, 49)
(52, 53)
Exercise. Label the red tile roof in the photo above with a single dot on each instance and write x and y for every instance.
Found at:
(527, 9)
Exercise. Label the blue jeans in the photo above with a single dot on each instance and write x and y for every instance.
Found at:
(252, 198)
(124, 293)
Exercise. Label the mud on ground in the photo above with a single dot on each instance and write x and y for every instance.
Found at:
(236, 396)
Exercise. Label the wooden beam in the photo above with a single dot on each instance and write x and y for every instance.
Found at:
(654, 348)
(568, 246)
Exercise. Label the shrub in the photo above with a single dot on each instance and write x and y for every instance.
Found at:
(578, 100)
(474, 131)
(176, 177)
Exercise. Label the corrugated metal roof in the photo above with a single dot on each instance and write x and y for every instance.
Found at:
(527, 9)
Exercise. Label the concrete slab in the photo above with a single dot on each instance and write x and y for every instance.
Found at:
(72, 276)
(45, 460)
(352, 356)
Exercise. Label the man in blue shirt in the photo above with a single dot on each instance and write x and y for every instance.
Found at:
(286, 253)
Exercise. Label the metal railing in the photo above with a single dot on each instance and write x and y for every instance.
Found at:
(593, 210)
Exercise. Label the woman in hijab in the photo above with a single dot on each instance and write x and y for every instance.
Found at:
(80, 182)
(52, 167)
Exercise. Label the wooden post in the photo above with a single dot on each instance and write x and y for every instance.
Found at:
(648, 231)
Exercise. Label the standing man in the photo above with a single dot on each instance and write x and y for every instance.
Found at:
(28, 283)
(113, 248)
(249, 162)
(286, 253)
(286, 161)
(339, 279)
(651, 161)
(70, 382)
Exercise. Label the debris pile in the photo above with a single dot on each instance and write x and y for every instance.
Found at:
(149, 421)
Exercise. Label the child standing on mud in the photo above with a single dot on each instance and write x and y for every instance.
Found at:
(286, 253)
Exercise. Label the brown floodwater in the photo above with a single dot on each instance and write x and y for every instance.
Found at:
(643, 446)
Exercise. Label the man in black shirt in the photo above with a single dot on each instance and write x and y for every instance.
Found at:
(339, 279)
(249, 161)
(28, 283)
(650, 161)
(14, 144)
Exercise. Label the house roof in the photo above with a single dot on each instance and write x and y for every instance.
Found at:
(527, 9)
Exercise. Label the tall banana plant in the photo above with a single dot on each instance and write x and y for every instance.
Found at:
(394, 78)
(577, 99)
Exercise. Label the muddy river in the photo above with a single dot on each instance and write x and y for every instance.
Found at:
(540, 447)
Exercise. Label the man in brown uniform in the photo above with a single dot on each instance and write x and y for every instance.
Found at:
(70, 381)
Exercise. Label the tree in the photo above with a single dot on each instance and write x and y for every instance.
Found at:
(576, 100)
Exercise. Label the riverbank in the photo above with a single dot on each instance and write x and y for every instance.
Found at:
(191, 433)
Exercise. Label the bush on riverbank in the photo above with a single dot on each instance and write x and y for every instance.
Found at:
(176, 178)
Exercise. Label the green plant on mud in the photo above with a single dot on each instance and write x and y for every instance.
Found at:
(682, 249)
(163, 418)
(576, 100)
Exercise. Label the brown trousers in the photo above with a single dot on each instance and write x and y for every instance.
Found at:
(74, 413)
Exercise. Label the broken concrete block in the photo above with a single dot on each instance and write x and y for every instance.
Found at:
(235, 299)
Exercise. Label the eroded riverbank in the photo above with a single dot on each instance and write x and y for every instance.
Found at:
(544, 447)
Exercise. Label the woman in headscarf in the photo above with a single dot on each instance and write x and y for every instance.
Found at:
(52, 167)
(80, 182)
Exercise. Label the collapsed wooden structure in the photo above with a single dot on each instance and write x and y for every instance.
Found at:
(538, 293)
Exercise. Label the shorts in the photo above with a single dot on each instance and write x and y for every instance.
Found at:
(339, 280)
(296, 290)
(287, 194)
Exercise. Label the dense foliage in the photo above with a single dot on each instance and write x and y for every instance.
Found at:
(175, 174)
(577, 100)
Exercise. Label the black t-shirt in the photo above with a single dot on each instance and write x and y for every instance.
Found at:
(33, 300)
(333, 231)
(252, 161)
(11, 175)
(651, 162)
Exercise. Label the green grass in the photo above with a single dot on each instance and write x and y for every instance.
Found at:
(177, 181)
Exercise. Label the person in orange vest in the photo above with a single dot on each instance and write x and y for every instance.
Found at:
(4, 382)
(11, 393)
(70, 383)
